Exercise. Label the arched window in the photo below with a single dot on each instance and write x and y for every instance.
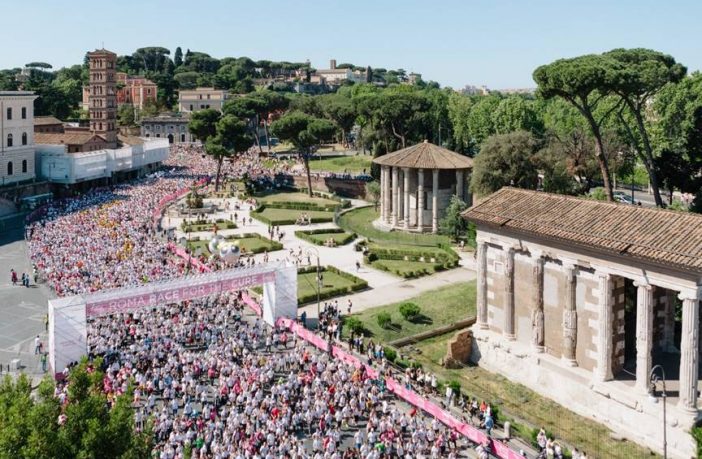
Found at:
(24, 166)
(24, 138)
(9, 140)
(9, 168)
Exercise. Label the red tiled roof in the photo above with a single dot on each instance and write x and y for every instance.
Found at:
(661, 236)
(425, 155)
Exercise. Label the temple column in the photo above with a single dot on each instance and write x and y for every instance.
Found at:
(388, 194)
(509, 295)
(420, 199)
(689, 352)
(406, 174)
(383, 207)
(459, 184)
(537, 314)
(481, 263)
(395, 195)
(401, 198)
(570, 317)
(604, 333)
(435, 201)
(644, 334)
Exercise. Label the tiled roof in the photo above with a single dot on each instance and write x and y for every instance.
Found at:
(661, 236)
(68, 138)
(425, 155)
(45, 120)
(130, 139)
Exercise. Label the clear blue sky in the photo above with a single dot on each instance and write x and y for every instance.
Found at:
(493, 42)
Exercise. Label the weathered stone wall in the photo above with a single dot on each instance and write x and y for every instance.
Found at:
(459, 349)
(349, 188)
(587, 301)
(618, 328)
(554, 304)
(523, 297)
(496, 288)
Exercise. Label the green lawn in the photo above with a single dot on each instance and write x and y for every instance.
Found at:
(307, 283)
(400, 267)
(360, 221)
(321, 238)
(440, 307)
(513, 399)
(289, 216)
(246, 244)
(283, 197)
(342, 164)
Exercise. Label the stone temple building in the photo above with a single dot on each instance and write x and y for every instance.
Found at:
(579, 300)
(416, 186)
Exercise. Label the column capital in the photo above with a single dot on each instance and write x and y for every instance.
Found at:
(689, 295)
(643, 285)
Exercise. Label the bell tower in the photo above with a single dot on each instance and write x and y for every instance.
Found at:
(103, 95)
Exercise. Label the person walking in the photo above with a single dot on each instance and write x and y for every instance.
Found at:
(37, 345)
(13, 276)
(43, 362)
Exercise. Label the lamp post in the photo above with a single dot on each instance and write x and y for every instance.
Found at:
(319, 280)
(654, 378)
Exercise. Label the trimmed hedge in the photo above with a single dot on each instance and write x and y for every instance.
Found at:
(358, 284)
(305, 235)
(444, 258)
(192, 226)
(275, 245)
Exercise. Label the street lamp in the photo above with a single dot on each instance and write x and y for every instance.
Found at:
(319, 279)
(654, 378)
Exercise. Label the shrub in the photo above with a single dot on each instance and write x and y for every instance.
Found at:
(355, 325)
(455, 386)
(390, 354)
(372, 257)
(384, 320)
(410, 310)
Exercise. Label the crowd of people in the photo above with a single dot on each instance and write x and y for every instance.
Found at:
(224, 385)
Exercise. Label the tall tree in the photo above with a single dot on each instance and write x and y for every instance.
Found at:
(505, 159)
(178, 57)
(232, 137)
(304, 132)
(641, 75)
(580, 81)
(203, 124)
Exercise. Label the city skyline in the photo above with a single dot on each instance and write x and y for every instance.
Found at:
(497, 44)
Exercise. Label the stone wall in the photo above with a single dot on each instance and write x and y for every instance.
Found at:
(459, 349)
(554, 305)
(523, 297)
(348, 188)
(496, 288)
(618, 329)
(587, 302)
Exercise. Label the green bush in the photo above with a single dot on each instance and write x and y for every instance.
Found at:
(305, 235)
(410, 311)
(371, 257)
(455, 386)
(355, 325)
(390, 354)
(384, 320)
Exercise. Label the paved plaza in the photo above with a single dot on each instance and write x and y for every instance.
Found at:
(22, 310)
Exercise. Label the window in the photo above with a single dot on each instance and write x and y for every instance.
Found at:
(10, 170)
(182, 137)
(24, 138)
(24, 113)
(9, 140)
(148, 91)
(191, 107)
(200, 96)
(9, 113)
(24, 166)
(208, 96)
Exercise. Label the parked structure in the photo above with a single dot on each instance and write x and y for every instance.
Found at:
(416, 186)
(577, 300)
(16, 136)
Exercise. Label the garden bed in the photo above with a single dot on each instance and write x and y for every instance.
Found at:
(205, 225)
(276, 217)
(409, 261)
(249, 243)
(321, 236)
